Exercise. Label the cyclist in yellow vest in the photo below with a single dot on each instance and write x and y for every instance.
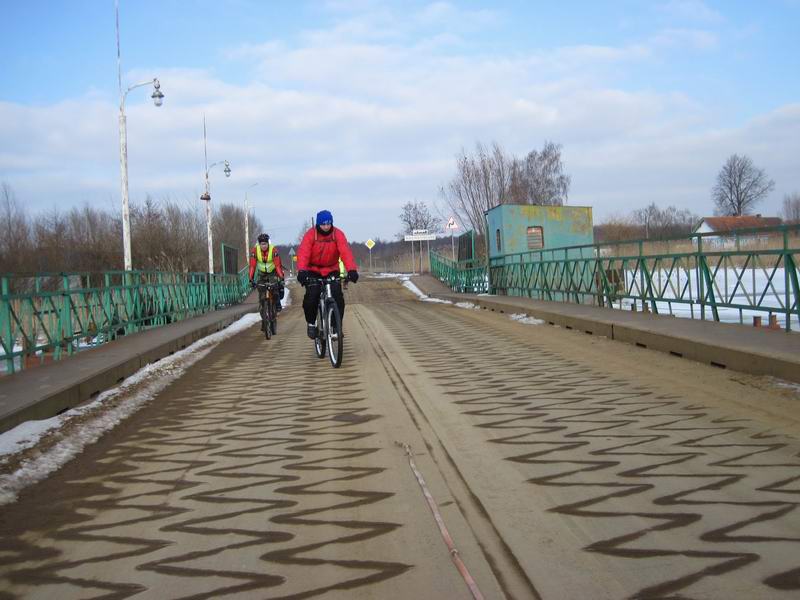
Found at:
(266, 263)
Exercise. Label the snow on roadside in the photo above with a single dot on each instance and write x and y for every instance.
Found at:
(787, 385)
(467, 305)
(92, 420)
(287, 298)
(525, 319)
(419, 293)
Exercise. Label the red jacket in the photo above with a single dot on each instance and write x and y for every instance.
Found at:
(276, 259)
(320, 253)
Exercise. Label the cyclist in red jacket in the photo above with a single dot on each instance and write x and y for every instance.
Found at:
(318, 256)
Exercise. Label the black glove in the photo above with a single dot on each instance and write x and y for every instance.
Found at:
(252, 283)
(302, 277)
(352, 276)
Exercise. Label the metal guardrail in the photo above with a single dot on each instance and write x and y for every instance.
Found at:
(461, 276)
(722, 277)
(45, 316)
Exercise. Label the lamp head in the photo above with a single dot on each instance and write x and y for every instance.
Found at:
(157, 96)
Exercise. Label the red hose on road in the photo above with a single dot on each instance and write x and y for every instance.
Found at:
(462, 568)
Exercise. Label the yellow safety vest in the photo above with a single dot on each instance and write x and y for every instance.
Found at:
(341, 269)
(265, 266)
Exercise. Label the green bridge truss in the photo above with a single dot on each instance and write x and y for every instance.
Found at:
(49, 315)
(702, 276)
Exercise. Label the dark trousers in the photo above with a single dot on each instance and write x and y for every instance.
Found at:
(311, 300)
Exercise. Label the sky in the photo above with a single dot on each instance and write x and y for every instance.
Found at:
(359, 106)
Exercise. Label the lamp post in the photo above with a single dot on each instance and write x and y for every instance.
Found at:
(158, 100)
(206, 197)
(247, 222)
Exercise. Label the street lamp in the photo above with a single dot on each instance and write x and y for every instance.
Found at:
(158, 100)
(247, 222)
(206, 197)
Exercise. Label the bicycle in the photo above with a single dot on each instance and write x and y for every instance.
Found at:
(267, 296)
(329, 322)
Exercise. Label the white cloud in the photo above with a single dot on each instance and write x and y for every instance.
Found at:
(362, 120)
(681, 38)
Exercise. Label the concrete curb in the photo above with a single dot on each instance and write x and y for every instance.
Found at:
(46, 391)
(714, 352)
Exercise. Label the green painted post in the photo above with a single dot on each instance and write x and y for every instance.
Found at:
(700, 277)
(7, 330)
(107, 306)
(787, 260)
(66, 317)
(649, 279)
(792, 269)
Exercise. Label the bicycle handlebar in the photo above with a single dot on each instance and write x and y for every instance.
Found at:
(326, 279)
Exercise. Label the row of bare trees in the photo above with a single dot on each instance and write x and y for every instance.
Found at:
(651, 222)
(166, 235)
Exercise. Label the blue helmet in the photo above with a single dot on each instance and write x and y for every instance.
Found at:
(324, 216)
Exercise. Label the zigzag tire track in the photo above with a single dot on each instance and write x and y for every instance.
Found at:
(703, 496)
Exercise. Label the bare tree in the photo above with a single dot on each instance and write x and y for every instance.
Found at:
(740, 186)
(491, 177)
(302, 232)
(543, 179)
(416, 215)
(482, 181)
(790, 211)
(15, 242)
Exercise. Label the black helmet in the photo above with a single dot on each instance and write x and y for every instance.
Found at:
(263, 238)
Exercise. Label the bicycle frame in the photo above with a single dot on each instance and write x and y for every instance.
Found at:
(268, 298)
(328, 310)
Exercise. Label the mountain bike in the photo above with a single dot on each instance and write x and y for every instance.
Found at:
(267, 296)
(329, 322)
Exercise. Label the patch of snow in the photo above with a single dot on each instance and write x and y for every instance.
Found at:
(467, 305)
(287, 298)
(420, 294)
(789, 385)
(525, 319)
(153, 378)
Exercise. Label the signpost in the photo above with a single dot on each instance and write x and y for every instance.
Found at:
(418, 235)
(370, 245)
(452, 226)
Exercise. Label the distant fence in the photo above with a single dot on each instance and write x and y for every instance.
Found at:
(728, 278)
(48, 315)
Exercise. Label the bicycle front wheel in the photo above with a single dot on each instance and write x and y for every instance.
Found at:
(265, 320)
(319, 342)
(335, 339)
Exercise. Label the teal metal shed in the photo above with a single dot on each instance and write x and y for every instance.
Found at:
(515, 228)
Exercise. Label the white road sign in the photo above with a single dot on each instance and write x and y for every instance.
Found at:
(420, 237)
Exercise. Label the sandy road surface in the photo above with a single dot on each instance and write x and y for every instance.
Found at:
(564, 466)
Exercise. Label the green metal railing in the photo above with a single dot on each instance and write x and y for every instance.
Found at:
(48, 315)
(747, 272)
(461, 276)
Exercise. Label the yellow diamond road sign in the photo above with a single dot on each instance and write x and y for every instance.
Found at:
(369, 244)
